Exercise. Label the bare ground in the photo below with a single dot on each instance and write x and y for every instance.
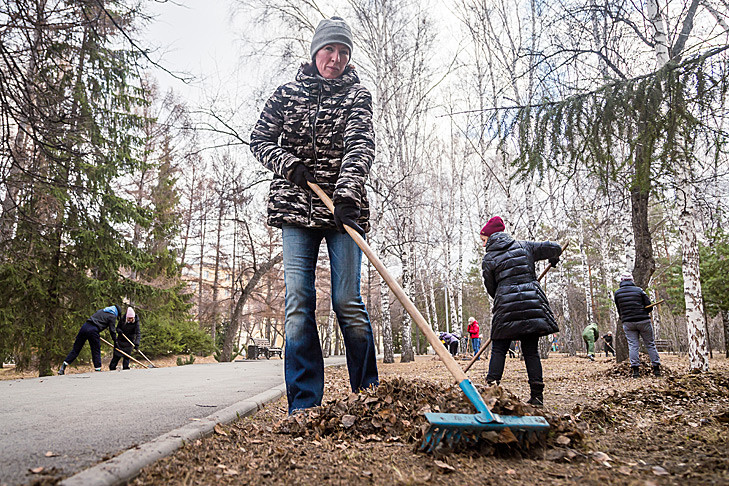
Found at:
(607, 428)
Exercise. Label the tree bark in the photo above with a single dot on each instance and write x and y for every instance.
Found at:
(226, 353)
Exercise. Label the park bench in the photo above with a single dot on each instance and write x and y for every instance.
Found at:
(262, 347)
(664, 345)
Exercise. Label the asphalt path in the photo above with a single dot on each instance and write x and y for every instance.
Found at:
(82, 419)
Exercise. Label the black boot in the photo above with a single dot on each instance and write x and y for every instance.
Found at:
(537, 397)
(62, 369)
(636, 371)
(657, 370)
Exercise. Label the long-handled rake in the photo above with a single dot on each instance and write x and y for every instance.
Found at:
(448, 427)
(151, 365)
(125, 354)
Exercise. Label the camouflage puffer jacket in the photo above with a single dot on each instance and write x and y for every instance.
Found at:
(327, 125)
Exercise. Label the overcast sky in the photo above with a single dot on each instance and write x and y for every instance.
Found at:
(197, 38)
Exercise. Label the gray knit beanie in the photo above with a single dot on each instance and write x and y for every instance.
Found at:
(331, 31)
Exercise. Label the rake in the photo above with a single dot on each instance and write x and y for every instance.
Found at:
(444, 427)
(151, 365)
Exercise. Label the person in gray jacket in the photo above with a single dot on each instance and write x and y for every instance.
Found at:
(632, 303)
(319, 129)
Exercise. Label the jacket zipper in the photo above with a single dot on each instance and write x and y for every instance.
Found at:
(313, 142)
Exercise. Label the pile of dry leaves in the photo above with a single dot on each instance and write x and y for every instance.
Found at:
(395, 411)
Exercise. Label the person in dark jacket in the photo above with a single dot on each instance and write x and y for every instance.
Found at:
(319, 128)
(632, 303)
(521, 310)
(130, 329)
(608, 338)
(91, 332)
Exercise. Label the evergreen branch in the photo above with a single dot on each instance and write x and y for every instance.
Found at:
(604, 88)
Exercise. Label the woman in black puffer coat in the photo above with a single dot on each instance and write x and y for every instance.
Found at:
(521, 310)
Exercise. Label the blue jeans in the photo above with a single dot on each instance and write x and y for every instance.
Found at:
(476, 343)
(303, 361)
(643, 329)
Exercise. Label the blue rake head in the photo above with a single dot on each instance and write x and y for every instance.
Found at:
(452, 428)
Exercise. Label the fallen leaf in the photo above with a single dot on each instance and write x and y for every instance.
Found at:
(555, 455)
(230, 472)
(625, 470)
(51, 454)
(348, 421)
(511, 471)
(563, 440)
(444, 465)
(600, 457)
(659, 471)
(219, 430)
(37, 470)
(506, 436)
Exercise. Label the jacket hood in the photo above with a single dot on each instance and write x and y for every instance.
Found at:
(498, 241)
(627, 283)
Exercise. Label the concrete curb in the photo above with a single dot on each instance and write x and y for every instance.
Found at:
(127, 465)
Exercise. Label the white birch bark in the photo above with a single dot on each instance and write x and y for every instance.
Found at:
(327, 348)
(585, 274)
(655, 316)
(446, 301)
(407, 354)
(433, 310)
(695, 318)
(569, 338)
(660, 39)
(387, 345)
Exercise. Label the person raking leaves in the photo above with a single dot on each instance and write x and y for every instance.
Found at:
(129, 328)
(91, 331)
(521, 310)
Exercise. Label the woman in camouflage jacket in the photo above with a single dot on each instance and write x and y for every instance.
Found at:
(319, 129)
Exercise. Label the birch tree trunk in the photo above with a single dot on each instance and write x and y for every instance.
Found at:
(695, 317)
(407, 354)
(387, 345)
(585, 275)
(433, 309)
(329, 332)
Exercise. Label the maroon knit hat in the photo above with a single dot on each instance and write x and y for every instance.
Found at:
(494, 225)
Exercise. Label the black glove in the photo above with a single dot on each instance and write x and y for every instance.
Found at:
(300, 175)
(136, 347)
(347, 213)
(554, 262)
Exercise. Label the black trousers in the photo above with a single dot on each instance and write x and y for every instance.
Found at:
(90, 333)
(530, 351)
(453, 348)
(115, 360)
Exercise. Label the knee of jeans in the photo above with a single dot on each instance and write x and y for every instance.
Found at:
(348, 306)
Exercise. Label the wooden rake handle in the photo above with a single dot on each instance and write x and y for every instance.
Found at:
(122, 352)
(420, 321)
(486, 345)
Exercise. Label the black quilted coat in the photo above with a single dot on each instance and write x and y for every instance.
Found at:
(631, 301)
(326, 124)
(520, 308)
